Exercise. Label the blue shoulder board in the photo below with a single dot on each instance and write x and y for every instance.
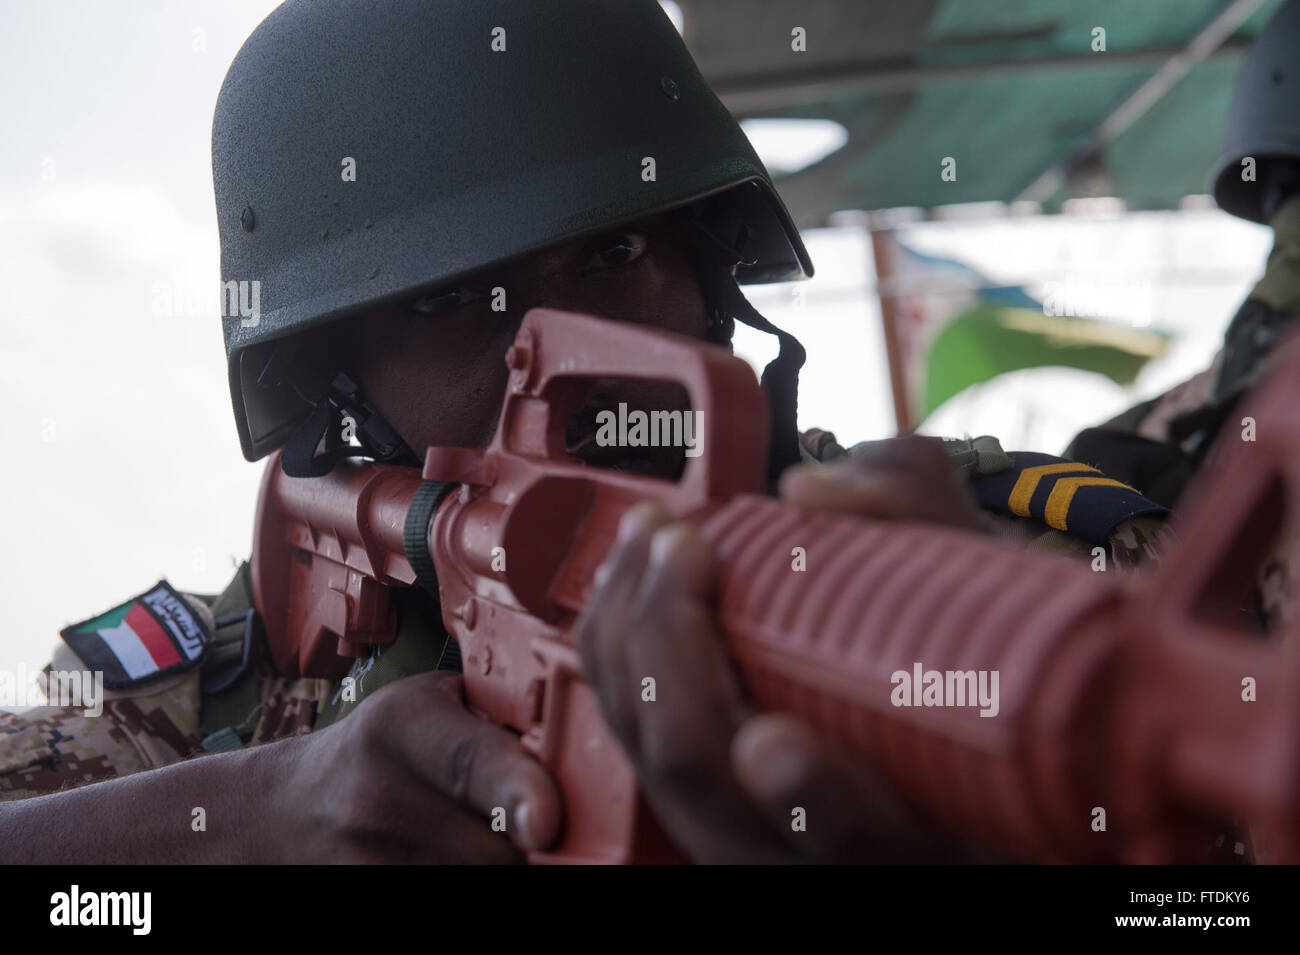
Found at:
(1070, 497)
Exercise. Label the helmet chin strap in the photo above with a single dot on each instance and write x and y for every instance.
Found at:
(716, 261)
(319, 442)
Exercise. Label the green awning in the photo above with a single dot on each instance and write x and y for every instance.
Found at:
(1011, 89)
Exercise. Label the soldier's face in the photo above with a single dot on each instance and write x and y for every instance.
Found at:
(435, 366)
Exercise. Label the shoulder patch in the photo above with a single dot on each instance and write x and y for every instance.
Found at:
(155, 634)
(1064, 495)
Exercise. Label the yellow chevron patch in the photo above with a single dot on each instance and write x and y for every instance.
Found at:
(1062, 494)
(1028, 481)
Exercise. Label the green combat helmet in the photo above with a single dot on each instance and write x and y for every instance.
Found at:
(367, 151)
(1258, 178)
(1263, 124)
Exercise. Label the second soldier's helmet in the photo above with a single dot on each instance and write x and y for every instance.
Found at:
(363, 151)
(1263, 123)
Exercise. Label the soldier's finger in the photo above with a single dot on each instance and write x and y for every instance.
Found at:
(452, 834)
(482, 766)
(689, 704)
(600, 633)
(672, 641)
(829, 806)
(905, 478)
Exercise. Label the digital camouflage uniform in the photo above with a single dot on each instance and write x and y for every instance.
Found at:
(158, 722)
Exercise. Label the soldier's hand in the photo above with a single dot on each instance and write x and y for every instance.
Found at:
(726, 782)
(905, 479)
(412, 776)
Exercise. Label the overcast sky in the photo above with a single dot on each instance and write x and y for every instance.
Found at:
(121, 462)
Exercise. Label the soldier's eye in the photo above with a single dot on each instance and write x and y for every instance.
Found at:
(443, 300)
(615, 251)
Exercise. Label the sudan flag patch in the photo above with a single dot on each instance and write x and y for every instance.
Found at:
(153, 635)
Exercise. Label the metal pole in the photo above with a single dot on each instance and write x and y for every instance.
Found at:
(903, 416)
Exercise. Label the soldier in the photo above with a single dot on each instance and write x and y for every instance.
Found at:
(404, 181)
(1157, 446)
